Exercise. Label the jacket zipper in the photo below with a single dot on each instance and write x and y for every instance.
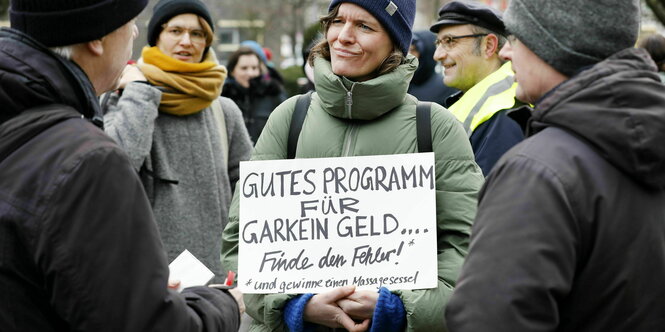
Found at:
(348, 100)
(348, 103)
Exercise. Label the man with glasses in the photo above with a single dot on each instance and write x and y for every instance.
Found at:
(570, 230)
(469, 37)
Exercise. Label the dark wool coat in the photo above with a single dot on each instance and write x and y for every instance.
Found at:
(570, 231)
(79, 248)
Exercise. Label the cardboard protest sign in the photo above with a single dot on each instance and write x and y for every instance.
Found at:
(312, 225)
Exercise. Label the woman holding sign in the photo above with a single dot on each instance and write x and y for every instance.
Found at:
(361, 107)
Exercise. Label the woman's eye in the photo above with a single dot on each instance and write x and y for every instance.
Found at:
(365, 27)
(337, 21)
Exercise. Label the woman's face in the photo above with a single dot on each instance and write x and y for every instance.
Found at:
(246, 69)
(183, 38)
(358, 43)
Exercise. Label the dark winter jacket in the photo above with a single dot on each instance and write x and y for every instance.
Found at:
(255, 102)
(491, 139)
(427, 84)
(79, 249)
(570, 231)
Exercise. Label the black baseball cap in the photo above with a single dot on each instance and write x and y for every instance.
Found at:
(461, 12)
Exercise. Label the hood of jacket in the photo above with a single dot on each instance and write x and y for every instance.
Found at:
(32, 76)
(366, 100)
(617, 106)
(424, 43)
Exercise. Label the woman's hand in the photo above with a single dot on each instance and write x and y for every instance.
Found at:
(359, 305)
(322, 309)
(130, 74)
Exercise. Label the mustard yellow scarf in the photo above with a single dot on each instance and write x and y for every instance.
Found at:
(191, 86)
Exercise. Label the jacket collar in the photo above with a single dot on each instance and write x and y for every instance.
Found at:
(37, 77)
(367, 100)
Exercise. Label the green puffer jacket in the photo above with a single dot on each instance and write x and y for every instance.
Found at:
(380, 119)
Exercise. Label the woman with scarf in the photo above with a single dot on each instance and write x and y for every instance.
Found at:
(361, 107)
(185, 141)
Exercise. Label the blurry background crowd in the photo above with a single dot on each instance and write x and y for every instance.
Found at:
(285, 28)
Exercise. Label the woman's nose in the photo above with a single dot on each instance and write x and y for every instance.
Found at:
(346, 34)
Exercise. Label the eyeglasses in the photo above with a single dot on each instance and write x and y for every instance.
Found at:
(448, 42)
(195, 35)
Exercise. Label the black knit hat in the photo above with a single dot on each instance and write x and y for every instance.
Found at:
(167, 9)
(68, 22)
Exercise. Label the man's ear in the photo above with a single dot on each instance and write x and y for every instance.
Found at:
(491, 45)
(95, 47)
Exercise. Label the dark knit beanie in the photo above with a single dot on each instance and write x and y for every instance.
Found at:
(63, 23)
(572, 34)
(396, 16)
(167, 9)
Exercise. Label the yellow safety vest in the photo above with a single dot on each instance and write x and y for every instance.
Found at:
(494, 93)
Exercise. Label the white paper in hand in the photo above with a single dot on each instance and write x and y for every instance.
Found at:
(189, 270)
